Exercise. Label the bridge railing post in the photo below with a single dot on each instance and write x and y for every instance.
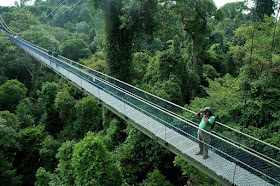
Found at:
(165, 134)
(234, 173)
(123, 101)
(98, 93)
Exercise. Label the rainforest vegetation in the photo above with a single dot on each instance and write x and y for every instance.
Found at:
(188, 52)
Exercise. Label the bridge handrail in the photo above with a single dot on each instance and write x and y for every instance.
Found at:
(172, 126)
(178, 106)
(136, 97)
(165, 101)
(221, 135)
(104, 81)
(244, 134)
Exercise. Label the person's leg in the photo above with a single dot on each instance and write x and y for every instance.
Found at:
(200, 143)
(207, 140)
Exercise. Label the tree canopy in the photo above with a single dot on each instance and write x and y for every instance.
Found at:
(188, 52)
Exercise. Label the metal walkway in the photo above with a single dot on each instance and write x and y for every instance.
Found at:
(234, 157)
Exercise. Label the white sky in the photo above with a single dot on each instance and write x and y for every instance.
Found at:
(219, 3)
(9, 2)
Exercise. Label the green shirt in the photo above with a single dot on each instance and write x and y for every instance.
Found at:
(204, 126)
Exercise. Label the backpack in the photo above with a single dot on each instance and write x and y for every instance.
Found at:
(213, 125)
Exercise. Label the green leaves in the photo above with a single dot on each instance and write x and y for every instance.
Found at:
(8, 145)
(195, 177)
(169, 64)
(46, 101)
(11, 93)
(194, 16)
(24, 113)
(31, 137)
(11, 119)
(155, 178)
(64, 100)
(89, 117)
(259, 73)
(75, 49)
(169, 89)
(113, 135)
(47, 95)
(42, 176)
(264, 60)
(265, 7)
(225, 96)
(93, 164)
(48, 151)
(8, 174)
(142, 151)
(8, 137)
(125, 21)
(30, 142)
(64, 172)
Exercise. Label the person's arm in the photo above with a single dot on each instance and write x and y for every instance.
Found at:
(199, 112)
(211, 120)
(206, 120)
(204, 117)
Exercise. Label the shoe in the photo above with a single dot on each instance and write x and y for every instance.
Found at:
(197, 153)
(204, 157)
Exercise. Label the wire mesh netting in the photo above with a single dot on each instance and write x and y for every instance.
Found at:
(221, 130)
(246, 153)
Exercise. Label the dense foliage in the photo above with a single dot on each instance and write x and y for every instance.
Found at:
(188, 52)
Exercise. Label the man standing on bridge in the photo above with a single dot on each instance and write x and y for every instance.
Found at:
(204, 138)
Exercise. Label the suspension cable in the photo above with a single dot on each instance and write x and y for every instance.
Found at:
(53, 10)
(6, 26)
(273, 37)
(250, 60)
(45, 24)
(252, 44)
(65, 11)
(40, 23)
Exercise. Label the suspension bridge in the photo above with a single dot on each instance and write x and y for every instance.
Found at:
(235, 158)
